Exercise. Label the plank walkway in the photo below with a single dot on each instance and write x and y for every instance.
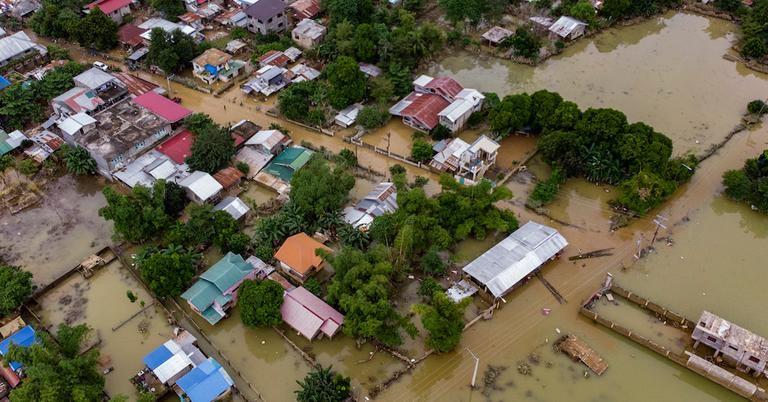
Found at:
(579, 350)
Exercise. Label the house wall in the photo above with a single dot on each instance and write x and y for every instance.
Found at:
(118, 14)
(275, 24)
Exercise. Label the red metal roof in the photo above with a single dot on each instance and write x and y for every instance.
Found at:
(178, 147)
(275, 58)
(136, 85)
(447, 85)
(305, 8)
(425, 108)
(228, 177)
(162, 106)
(108, 6)
(129, 34)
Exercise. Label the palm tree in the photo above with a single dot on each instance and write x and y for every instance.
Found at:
(323, 385)
(78, 160)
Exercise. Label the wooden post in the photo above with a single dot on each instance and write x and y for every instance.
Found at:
(477, 364)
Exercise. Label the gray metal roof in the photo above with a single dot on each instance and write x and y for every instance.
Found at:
(16, 44)
(93, 78)
(515, 257)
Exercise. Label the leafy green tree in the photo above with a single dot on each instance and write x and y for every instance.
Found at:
(323, 385)
(524, 43)
(313, 285)
(749, 184)
(354, 11)
(296, 101)
(371, 117)
(755, 30)
(175, 199)
(440, 132)
(346, 158)
(318, 191)
(15, 287)
(400, 76)
(27, 167)
(171, 51)
(139, 215)
(511, 115)
(212, 150)
(18, 106)
(381, 89)
(616, 9)
(78, 160)
(467, 211)
(259, 303)
(353, 237)
(170, 8)
(421, 151)
(56, 370)
(428, 287)
(432, 264)
(361, 289)
(757, 107)
(444, 321)
(364, 43)
(57, 81)
(97, 31)
(6, 161)
(543, 106)
(583, 10)
(754, 48)
(347, 82)
(169, 271)
(730, 6)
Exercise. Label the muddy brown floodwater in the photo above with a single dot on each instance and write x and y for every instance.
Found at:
(669, 73)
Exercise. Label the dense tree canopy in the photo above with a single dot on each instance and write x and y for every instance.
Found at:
(56, 370)
(361, 289)
(78, 160)
(319, 192)
(138, 215)
(444, 321)
(512, 114)
(168, 271)
(755, 28)
(346, 82)
(323, 385)
(61, 19)
(750, 183)
(259, 303)
(15, 287)
(213, 147)
(473, 11)
(302, 102)
(171, 51)
(170, 8)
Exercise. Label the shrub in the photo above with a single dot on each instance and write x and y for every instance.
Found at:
(421, 151)
(243, 167)
(757, 106)
(27, 167)
(371, 117)
(313, 285)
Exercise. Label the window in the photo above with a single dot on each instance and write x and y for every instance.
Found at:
(279, 15)
(733, 347)
(702, 324)
(712, 339)
(754, 359)
(269, 20)
(280, 25)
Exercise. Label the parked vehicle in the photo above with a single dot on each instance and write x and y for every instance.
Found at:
(101, 66)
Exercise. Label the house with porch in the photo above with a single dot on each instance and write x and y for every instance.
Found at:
(214, 65)
(261, 148)
(513, 260)
(298, 259)
(738, 347)
(469, 161)
(215, 291)
(434, 101)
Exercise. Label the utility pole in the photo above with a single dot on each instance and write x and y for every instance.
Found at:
(168, 79)
(389, 135)
(477, 364)
(639, 247)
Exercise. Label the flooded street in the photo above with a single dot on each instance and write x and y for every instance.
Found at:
(667, 72)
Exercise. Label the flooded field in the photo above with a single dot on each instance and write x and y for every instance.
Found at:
(55, 235)
(668, 71)
(101, 302)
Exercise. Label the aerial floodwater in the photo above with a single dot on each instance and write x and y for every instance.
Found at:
(668, 72)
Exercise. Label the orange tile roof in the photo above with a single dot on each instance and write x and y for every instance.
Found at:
(298, 252)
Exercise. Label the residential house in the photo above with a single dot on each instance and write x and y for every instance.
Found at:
(302, 72)
(166, 26)
(292, 53)
(514, 259)
(567, 28)
(121, 133)
(235, 207)
(178, 147)
(235, 17)
(167, 109)
(308, 33)
(45, 144)
(496, 35)
(267, 80)
(228, 177)
(243, 131)
(309, 314)
(129, 36)
(267, 16)
(379, 201)
(468, 161)
(455, 116)
(76, 100)
(274, 58)
(24, 338)
(115, 9)
(19, 46)
(201, 187)
(541, 24)
(235, 46)
(278, 173)
(370, 70)
(262, 269)
(215, 291)
(206, 383)
(74, 125)
(297, 257)
(739, 347)
(347, 116)
(137, 86)
(23, 9)
(10, 141)
(150, 167)
(169, 362)
(105, 85)
(302, 9)
(435, 101)
(261, 148)
(214, 65)
(192, 19)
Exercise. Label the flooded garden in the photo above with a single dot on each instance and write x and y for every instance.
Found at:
(668, 72)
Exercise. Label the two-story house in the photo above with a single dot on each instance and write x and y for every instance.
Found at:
(739, 347)
(115, 9)
(308, 33)
(267, 16)
(470, 161)
(214, 65)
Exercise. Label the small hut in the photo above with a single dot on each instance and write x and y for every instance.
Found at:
(496, 35)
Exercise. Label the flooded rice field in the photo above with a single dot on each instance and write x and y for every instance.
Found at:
(102, 302)
(668, 72)
(59, 232)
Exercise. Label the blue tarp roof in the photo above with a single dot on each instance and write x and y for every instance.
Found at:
(205, 382)
(157, 357)
(24, 337)
(4, 82)
(211, 69)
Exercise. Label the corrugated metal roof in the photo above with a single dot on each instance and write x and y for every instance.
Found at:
(565, 25)
(309, 314)
(202, 184)
(16, 44)
(516, 257)
(205, 382)
(234, 206)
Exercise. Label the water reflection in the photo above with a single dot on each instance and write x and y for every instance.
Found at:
(753, 222)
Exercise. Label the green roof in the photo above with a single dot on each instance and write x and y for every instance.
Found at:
(288, 162)
(211, 315)
(215, 281)
(5, 147)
